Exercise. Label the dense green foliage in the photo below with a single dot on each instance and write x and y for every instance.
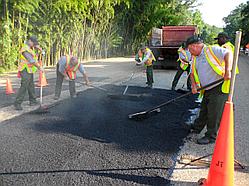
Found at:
(238, 19)
(89, 28)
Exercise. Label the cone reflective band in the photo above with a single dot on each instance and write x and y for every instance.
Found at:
(9, 89)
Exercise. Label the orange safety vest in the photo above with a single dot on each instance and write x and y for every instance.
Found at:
(24, 63)
(71, 71)
(183, 64)
(217, 65)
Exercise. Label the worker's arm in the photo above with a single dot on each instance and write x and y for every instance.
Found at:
(62, 65)
(146, 57)
(194, 88)
(31, 60)
(83, 72)
(228, 58)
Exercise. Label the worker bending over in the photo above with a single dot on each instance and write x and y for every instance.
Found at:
(27, 66)
(210, 63)
(147, 59)
(183, 65)
(67, 66)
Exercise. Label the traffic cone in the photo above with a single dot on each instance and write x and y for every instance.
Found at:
(42, 80)
(9, 89)
(221, 172)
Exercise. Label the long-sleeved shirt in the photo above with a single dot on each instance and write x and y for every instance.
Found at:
(29, 57)
(63, 63)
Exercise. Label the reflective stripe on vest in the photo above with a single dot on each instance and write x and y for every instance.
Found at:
(216, 65)
(151, 58)
(228, 45)
(71, 71)
(24, 63)
(183, 64)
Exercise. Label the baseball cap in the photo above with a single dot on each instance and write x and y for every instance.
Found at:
(193, 39)
(222, 34)
(34, 40)
(142, 46)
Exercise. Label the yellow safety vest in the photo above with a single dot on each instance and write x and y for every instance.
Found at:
(183, 64)
(217, 65)
(71, 71)
(149, 62)
(24, 63)
(228, 45)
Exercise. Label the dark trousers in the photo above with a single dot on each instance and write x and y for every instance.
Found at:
(179, 74)
(59, 81)
(149, 74)
(211, 111)
(27, 84)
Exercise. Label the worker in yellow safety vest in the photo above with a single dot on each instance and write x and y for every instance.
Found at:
(67, 67)
(184, 61)
(210, 63)
(223, 41)
(27, 66)
(148, 58)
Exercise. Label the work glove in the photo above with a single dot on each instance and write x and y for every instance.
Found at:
(41, 69)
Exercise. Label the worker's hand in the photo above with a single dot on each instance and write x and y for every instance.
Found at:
(38, 47)
(194, 90)
(88, 83)
(41, 69)
(227, 75)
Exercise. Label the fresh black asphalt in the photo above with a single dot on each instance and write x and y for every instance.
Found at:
(90, 141)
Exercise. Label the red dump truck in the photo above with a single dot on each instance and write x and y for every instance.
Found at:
(166, 41)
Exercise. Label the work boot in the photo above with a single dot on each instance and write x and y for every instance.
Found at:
(173, 88)
(150, 86)
(74, 96)
(205, 140)
(33, 103)
(18, 107)
(56, 97)
(194, 130)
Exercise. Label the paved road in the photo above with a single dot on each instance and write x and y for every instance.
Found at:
(91, 142)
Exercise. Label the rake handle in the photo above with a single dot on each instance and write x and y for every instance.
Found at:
(184, 95)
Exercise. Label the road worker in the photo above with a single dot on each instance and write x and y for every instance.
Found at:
(183, 65)
(210, 63)
(27, 66)
(223, 41)
(67, 67)
(148, 58)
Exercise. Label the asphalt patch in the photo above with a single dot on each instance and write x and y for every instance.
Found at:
(90, 141)
(94, 116)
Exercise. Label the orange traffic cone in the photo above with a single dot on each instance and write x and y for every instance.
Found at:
(42, 80)
(9, 89)
(221, 172)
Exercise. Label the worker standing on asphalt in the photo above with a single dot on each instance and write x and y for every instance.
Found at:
(27, 66)
(67, 68)
(147, 59)
(183, 65)
(210, 63)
